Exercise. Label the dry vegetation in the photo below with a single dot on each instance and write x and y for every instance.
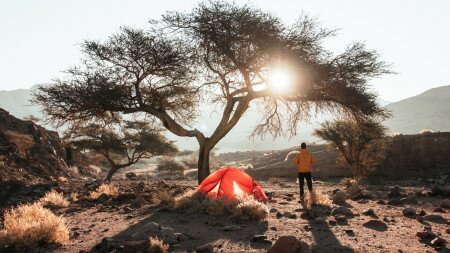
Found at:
(317, 198)
(108, 189)
(27, 225)
(162, 197)
(157, 246)
(54, 199)
(242, 208)
(23, 142)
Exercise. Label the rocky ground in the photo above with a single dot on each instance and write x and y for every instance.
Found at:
(381, 219)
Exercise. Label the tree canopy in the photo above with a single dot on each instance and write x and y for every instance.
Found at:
(219, 53)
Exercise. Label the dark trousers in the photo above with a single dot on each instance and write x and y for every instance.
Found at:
(301, 181)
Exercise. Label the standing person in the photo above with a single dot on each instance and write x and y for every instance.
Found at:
(304, 160)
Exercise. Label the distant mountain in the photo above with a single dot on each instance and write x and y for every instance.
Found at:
(429, 110)
(17, 102)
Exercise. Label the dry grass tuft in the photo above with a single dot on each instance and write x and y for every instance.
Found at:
(63, 179)
(54, 199)
(108, 189)
(163, 197)
(27, 225)
(23, 142)
(157, 246)
(242, 208)
(251, 208)
(318, 198)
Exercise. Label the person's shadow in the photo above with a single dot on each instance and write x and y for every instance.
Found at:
(325, 240)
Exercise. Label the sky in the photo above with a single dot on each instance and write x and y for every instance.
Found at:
(39, 39)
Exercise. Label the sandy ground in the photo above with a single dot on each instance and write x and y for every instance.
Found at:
(90, 222)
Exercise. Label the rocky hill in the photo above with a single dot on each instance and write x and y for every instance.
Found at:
(429, 110)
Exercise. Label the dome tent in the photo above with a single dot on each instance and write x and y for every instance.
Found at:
(231, 182)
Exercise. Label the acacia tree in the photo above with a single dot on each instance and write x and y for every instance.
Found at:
(219, 53)
(122, 143)
(361, 143)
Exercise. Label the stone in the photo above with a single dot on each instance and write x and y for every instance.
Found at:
(288, 244)
(395, 202)
(438, 242)
(435, 218)
(445, 203)
(341, 210)
(279, 215)
(409, 201)
(381, 202)
(395, 192)
(439, 210)
(290, 215)
(408, 211)
(369, 211)
(376, 225)
(168, 235)
(103, 197)
(447, 231)
(135, 246)
(207, 248)
(424, 235)
(131, 175)
(273, 210)
(232, 228)
(259, 238)
(339, 197)
(353, 190)
(350, 232)
(422, 213)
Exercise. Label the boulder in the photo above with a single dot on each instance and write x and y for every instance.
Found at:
(435, 218)
(341, 210)
(339, 197)
(409, 201)
(369, 211)
(376, 225)
(289, 244)
(353, 190)
(395, 202)
(438, 242)
(408, 211)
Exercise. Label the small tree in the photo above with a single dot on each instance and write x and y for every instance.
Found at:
(361, 143)
(122, 143)
(219, 53)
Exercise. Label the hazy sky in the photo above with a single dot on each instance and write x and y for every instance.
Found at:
(38, 39)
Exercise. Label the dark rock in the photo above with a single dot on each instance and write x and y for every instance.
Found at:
(408, 211)
(395, 192)
(438, 242)
(409, 201)
(435, 218)
(369, 211)
(287, 244)
(422, 213)
(395, 202)
(207, 248)
(376, 225)
(341, 210)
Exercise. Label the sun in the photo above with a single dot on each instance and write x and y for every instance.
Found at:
(280, 80)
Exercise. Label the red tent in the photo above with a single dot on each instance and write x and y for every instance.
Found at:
(231, 182)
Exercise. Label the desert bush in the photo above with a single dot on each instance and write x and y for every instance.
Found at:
(190, 162)
(23, 142)
(163, 197)
(169, 164)
(251, 208)
(242, 208)
(108, 189)
(54, 199)
(73, 197)
(317, 198)
(157, 246)
(27, 225)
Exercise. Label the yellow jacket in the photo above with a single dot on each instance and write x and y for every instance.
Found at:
(304, 161)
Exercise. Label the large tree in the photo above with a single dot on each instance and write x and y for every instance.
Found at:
(361, 143)
(219, 53)
(121, 143)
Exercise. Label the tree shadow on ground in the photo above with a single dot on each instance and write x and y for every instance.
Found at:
(197, 229)
(325, 239)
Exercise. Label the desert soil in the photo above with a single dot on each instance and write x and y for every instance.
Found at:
(125, 219)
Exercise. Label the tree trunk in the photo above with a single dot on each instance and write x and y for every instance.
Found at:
(203, 161)
(111, 173)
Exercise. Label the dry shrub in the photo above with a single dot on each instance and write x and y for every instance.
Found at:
(243, 208)
(274, 181)
(108, 189)
(163, 197)
(169, 164)
(318, 198)
(23, 142)
(27, 225)
(157, 246)
(63, 179)
(251, 208)
(54, 199)
(73, 197)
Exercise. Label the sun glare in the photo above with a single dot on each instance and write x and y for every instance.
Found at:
(280, 80)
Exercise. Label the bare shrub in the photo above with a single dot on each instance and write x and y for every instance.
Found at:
(23, 142)
(318, 198)
(108, 189)
(190, 162)
(169, 164)
(157, 246)
(27, 225)
(54, 199)
(242, 208)
(73, 197)
(251, 208)
(163, 197)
